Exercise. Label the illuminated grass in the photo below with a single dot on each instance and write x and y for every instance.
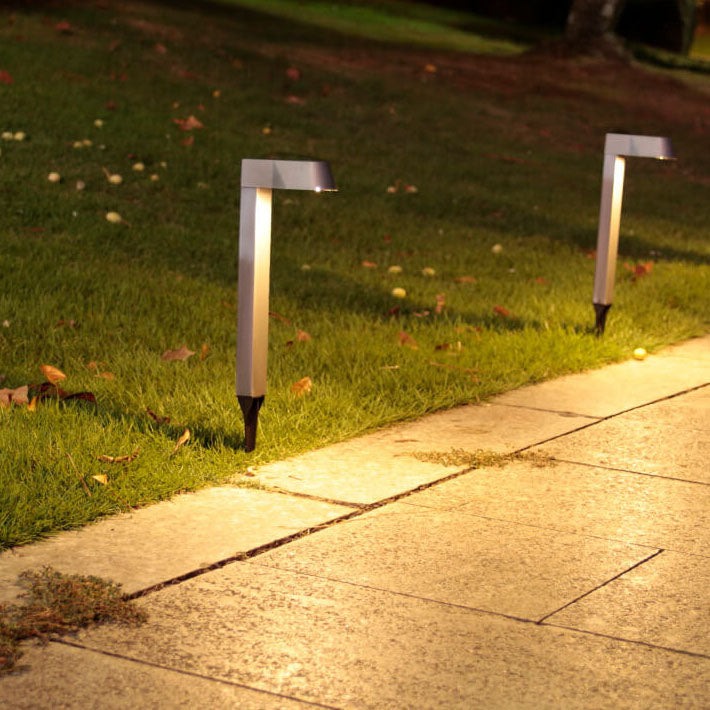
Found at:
(494, 163)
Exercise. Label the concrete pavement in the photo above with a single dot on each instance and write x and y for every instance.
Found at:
(366, 578)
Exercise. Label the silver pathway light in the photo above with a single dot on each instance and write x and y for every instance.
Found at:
(617, 147)
(259, 178)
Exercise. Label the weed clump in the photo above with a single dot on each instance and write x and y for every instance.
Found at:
(481, 458)
(58, 603)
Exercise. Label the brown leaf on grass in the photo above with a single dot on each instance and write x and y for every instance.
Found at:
(204, 350)
(102, 478)
(94, 366)
(32, 406)
(295, 100)
(188, 124)
(106, 375)
(126, 458)
(590, 253)
(639, 270)
(501, 311)
(293, 73)
(181, 354)
(64, 27)
(161, 48)
(52, 374)
(443, 346)
(70, 323)
(278, 317)
(157, 417)
(6, 77)
(302, 336)
(8, 397)
(440, 302)
(408, 340)
(49, 389)
(303, 386)
(189, 141)
(183, 438)
(468, 370)
(465, 279)
(393, 311)
(423, 314)
(540, 280)
(228, 305)
(369, 264)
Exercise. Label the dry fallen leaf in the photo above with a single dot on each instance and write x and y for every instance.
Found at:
(185, 437)
(465, 279)
(182, 354)
(639, 270)
(9, 397)
(204, 350)
(369, 264)
(440, 302)
(52, 374)
(188, 124)
(303, 386)
(102, 478)
(118, 459)
(70, 323)
(228, 305)
(106, 375)
(408, 340)
(501, 311)
(302, 336)
(157, 417)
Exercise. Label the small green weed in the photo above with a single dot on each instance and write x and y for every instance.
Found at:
(58, 604)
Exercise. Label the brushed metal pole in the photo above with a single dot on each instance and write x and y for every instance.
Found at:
(608, 237)
(616, 146)
(253, 305)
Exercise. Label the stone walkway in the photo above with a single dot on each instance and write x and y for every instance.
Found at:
(366, 578)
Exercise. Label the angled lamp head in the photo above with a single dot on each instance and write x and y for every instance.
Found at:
(288, 175)
(657, 147)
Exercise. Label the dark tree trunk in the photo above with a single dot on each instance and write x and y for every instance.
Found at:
(592, 20)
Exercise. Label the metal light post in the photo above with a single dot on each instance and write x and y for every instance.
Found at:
(259, 178)
(616, 148)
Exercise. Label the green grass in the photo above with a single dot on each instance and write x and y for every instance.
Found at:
(503, 150)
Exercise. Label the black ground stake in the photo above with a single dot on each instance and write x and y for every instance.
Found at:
(250, 409)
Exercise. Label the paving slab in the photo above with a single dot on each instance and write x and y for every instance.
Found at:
(697, 349)
(646, 510)
(353, 647)
(663, 601)
(163, 541)
(668, 438)
(374, 467)
(61, 677)
(618, 387)
(454, 557)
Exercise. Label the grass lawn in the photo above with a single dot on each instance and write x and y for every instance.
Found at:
(444, 141)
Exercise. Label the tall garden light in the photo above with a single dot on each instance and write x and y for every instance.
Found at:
(617, 147)
(259, 178)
